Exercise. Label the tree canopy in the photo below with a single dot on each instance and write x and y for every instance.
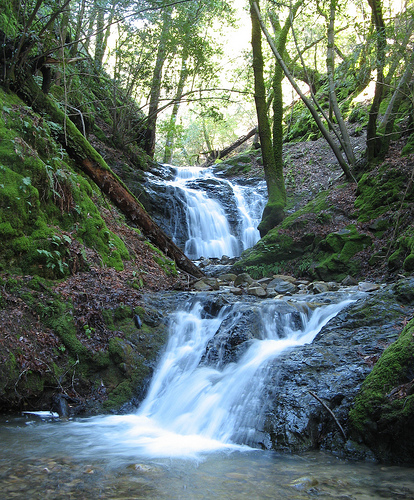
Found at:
(176, 93)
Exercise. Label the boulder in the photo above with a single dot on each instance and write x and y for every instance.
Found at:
(333, 367)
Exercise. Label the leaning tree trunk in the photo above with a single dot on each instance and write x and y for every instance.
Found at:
(92, 164)
(330, 66)
(304, 99)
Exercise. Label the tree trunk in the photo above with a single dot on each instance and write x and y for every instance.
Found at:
(91, 163)
(307, 103)
(273, 213)
(330, 66)
(156, 85)
(169, 143)
(226, 151)
(373, 141)
(393, 106)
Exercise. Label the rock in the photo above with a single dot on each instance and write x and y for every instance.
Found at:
(319, 287)
(304, 483)
(368, 287)
(333, 366)
(227, 278)
(404, 290)
(213, 282)
(200, 286)
(206, 284)
(281, 286)
(349, 281)
(236, 291)
(284, 277)
(138, 321)
(242, 279)
(257, 291)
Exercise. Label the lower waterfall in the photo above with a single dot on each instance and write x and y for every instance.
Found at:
(194, 406)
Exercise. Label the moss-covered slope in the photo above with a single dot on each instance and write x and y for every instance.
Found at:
(347, 230)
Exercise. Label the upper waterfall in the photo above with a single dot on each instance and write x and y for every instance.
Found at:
(208, 216)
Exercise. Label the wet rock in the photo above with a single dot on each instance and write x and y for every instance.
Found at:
(349, 281)
(284, 277)
(281, 286)
(333, 367)
(319, 287)
(227, 278)
(201, 286)
(236, 291)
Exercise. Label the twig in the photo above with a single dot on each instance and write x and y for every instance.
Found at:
(331, 412)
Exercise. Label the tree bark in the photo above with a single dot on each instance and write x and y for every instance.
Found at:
(273, 213)
(156, 85)
(308, 104)
(373, 141)
(330, 66)
(92, 164)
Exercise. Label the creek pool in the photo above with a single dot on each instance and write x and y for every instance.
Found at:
(51, 459)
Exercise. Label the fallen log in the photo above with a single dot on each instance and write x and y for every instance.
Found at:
(93, 165)
(215, 155)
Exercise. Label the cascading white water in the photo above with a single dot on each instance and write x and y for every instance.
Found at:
(192, 407)
(209, 232)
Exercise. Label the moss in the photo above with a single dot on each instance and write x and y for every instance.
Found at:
(166, 264)
(379, 191)
(120, 395)
(122, 312)
(384, 407)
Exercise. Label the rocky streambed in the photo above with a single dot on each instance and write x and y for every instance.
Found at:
(313, 398)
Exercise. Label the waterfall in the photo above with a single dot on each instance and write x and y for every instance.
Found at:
(195, 406)
(210, 216)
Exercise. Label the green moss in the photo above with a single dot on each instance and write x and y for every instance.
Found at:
(394, 368)
(122, 312)
(379, 191)
(119, 395)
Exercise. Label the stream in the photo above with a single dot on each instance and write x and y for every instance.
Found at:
(198, 434)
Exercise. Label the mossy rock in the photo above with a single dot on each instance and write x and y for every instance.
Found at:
(340, 248)
(383, 413)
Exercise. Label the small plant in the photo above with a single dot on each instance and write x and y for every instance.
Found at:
(88, 330)
(55, 259)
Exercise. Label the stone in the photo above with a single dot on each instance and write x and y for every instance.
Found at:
(257, 291)
(243, 278)
(213, 282)
(284, 277)
(200, 286)
(365, 286)
(236, 291)
(227, 277)
(349, 281)
(281, 286)
(333, 367)
(319, 287)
